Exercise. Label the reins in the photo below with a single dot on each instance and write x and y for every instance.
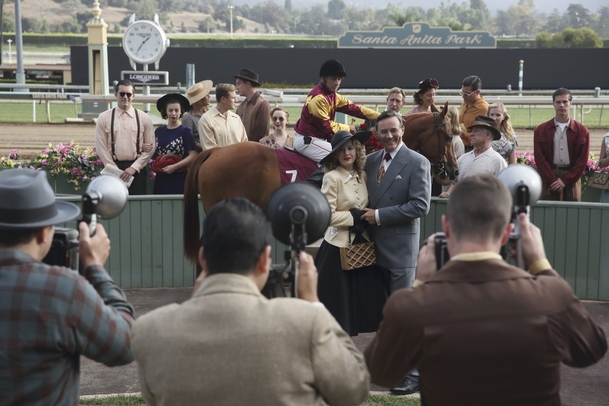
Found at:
(440, 165)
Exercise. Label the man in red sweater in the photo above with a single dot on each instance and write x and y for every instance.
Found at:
(561, 147)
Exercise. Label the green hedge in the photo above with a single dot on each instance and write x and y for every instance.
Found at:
(238, 42)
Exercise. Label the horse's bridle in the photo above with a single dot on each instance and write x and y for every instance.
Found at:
(440, 166)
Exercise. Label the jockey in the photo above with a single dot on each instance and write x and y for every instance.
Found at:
(316, 126)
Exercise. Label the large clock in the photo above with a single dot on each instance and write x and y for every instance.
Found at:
(144, 41)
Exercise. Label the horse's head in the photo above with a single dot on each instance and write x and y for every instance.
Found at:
(429, 134)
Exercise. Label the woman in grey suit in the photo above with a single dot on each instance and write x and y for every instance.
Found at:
(356, 297)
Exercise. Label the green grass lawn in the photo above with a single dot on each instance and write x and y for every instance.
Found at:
(521, 117)
(373, 400)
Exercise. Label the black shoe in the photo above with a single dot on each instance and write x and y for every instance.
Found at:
(406, 387)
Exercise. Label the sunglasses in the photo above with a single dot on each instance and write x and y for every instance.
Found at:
(123, 94)
(279, 118)
(467, 94)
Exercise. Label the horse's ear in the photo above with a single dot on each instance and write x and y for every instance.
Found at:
(444, 110)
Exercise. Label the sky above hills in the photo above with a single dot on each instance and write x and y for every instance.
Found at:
(542, 6)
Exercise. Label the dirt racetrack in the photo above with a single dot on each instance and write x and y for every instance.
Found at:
(31, 138)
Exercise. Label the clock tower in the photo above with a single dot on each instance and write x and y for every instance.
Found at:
(99, 81)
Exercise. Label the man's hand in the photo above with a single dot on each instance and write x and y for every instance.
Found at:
(557, 186)
(307, 278)
(531, 241)
(444, 194)
(369, 216)
(426, 263)
(127, 174)
(93, 250)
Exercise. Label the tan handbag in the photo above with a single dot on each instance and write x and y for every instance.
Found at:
(600, 180)
(356, 256)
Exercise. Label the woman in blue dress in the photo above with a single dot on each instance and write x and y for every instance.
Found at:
(175, 146)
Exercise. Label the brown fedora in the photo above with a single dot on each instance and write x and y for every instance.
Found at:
(488, 123)
(248, 75)
(198, 91)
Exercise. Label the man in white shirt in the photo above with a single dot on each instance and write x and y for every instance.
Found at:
(219, 126)
(482, 159)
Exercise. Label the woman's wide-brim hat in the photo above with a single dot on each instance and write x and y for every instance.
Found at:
(198, 91)
(29, 202)
(488, 123)
(161, 104)
(248, 75)
(343, 136)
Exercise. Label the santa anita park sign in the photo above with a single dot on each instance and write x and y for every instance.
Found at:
(416, 35)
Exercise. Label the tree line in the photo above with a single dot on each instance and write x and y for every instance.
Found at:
(577, 26)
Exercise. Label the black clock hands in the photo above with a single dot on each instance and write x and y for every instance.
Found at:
(143, 42)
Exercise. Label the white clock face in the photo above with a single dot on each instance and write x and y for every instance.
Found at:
(144, 42)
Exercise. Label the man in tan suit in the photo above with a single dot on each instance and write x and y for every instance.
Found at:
(229, 345)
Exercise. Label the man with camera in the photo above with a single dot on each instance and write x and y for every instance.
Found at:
(482, 332)
(229, 345)
(51, 315)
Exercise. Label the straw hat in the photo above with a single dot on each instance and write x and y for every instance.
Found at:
(198, 91)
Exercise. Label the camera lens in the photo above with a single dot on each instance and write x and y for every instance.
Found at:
(298, 215)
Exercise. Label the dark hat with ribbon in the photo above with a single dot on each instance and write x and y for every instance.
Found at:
(161, 104)
(488, 123)
(248, 75)
(343, 136)
(29, 202)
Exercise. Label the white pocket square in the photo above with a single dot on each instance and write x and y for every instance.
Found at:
(398, 177)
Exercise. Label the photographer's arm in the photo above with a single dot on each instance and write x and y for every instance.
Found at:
(533, 251)
(101, 317)
(426, 263)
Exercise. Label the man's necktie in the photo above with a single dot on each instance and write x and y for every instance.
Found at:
(382, 168)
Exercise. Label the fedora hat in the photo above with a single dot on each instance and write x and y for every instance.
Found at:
(161, 104)
(343, 136)
(488, 123)
(198, 91)
(248, 75)
(29, 202)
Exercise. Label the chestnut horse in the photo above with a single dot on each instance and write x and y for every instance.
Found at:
(251, 170)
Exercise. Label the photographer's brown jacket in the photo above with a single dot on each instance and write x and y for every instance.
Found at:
(485, 333)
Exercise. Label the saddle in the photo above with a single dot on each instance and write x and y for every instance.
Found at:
(294, 167)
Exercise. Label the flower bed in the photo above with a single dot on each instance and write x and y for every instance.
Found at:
(527, 158)
(68, 163)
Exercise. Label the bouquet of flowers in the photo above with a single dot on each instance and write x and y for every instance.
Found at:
(10, 161)
(78, 164)
(372, 145)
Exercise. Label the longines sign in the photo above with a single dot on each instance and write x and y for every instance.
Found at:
(416, 35)
(146, 77)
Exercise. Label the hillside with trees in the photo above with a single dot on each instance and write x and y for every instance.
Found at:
(576, 24)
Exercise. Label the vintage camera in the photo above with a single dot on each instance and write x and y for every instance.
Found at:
(441, 248)
(299, 215)
(64, 248)
(105, 197)
(524, 184)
